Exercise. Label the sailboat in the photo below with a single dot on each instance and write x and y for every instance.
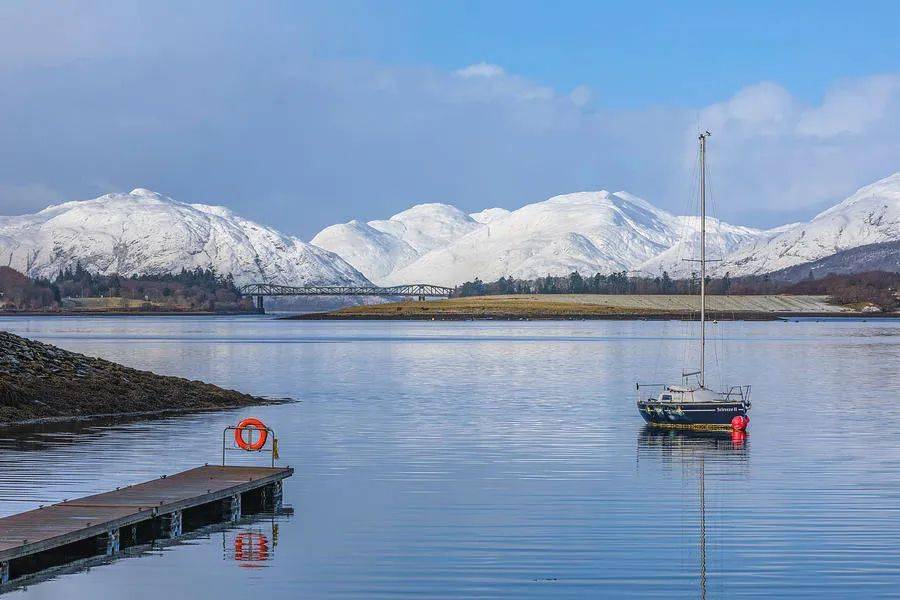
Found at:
(692, 404)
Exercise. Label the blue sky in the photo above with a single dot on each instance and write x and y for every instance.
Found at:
(302, 114)
(638, 53)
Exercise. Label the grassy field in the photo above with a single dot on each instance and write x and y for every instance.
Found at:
(585, 306)
(481, 306)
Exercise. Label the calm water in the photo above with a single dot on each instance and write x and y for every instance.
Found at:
(500, 460)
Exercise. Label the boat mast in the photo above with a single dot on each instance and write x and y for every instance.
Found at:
(702, 378)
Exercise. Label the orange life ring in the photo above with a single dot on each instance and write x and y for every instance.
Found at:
(251, 424)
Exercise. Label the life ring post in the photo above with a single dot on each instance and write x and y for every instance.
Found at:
(250, 435)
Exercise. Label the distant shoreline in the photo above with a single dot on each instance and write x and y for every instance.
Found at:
(122, 313)
(750, 316)
(572, 307)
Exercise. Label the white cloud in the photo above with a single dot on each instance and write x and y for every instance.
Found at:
(581, 95)
(852, 107)
(481, 69)
(300, 141)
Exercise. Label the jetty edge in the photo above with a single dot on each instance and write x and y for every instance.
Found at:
(74, 532)
(43, 383)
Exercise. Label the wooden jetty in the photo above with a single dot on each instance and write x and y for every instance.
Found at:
(105, 524)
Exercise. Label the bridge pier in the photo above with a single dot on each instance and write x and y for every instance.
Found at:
(259, 305)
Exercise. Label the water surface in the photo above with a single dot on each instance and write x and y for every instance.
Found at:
(491, 459)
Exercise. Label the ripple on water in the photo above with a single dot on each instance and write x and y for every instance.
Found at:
(499, 459)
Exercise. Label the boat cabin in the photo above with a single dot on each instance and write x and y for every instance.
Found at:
(683, 395)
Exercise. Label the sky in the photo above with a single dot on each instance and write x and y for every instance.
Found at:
(303, 114)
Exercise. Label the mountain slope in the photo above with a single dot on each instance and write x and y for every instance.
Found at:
(489, 214)
(869, 216)
(373, 252)
(722, 239)
(871, 257)
(586, 231)
(143, 232)
(428, 226)
(378, 248)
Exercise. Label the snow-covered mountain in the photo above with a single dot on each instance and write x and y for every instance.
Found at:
(588, 232)
(144, 232)
(869, 216)
(601, 231)
(489, 214)
(722, 240)
(378, 248)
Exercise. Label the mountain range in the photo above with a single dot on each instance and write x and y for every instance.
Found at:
(592, 232)
(143, 232)
(589, 232)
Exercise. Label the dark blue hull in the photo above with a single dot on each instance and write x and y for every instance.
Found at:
(691, 414)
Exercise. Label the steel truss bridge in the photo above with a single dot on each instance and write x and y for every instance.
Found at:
(415, 290)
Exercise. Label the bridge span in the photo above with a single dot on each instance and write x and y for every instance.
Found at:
(414, 290)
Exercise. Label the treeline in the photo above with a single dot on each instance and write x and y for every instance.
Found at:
(876, 287)
(613, 283)
(873, 287)
(76, 287)
(18, 292)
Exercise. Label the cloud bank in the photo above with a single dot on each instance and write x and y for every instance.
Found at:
(224, 109)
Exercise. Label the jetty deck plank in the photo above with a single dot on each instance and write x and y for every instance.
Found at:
(82, 518)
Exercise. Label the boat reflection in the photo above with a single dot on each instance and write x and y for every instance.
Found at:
(696, 452)
(688, 447)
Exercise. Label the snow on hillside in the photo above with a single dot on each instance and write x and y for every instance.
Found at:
(589, 232)
(585, 231)
(722, 239)
(371, 251)
(144, 232)
(378, 248)
(489, 214)
(428, 226)
(869, 216)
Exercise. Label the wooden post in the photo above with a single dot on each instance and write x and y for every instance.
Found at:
(171, 524)
(275, 492)
(231, 508)
(112, 542)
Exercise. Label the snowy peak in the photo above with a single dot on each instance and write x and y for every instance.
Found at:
(378, 248)
(584, 231)
(428, 226)
(587, 231)
(870, 216)
(488, 215)
(883, 192)
(145, 193)
(373, 252)
(144, 232)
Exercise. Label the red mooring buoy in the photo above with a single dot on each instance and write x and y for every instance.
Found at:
(740, 422)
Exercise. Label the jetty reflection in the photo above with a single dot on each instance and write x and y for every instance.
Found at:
(695, 451)
(252, 546)
(250, 542)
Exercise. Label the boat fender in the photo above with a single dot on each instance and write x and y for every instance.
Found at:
(740, 422)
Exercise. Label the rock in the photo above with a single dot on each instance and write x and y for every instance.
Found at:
(42, 381)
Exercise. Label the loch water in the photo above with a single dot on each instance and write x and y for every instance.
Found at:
(498, 459)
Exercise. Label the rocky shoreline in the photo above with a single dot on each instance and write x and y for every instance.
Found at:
(40, 382)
